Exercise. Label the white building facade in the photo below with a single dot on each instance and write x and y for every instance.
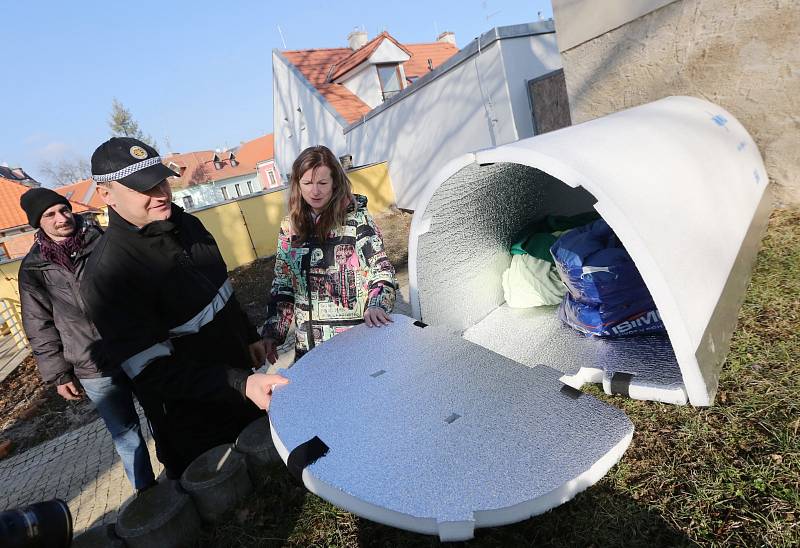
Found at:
(478, 98)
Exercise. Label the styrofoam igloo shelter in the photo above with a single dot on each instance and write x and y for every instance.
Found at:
(470, 416)
(680, 182)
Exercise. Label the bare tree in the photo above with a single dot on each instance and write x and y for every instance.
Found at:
(65, 171)
(122, 124)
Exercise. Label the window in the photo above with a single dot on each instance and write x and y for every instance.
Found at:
(224, 193)
(177, 169)
(249, 187)
(271, 177)
(234, 162)
(188, 202)
(238, 190)
(389, 75)
(3, 253)
(217, 162)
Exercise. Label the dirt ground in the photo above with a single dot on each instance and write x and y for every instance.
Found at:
(32, 413)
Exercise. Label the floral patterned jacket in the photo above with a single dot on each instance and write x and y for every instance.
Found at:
(328, 286)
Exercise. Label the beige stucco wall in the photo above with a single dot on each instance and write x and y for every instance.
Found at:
(740, 54)
(580, 20)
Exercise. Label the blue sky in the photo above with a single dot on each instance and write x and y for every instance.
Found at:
(195, 74)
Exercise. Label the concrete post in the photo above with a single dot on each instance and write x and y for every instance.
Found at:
(162, 516)
(217, 480)
(255, 442)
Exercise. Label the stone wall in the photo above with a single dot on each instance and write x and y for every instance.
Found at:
(741, 54)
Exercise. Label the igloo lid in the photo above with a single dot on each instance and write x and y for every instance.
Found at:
(428, 432)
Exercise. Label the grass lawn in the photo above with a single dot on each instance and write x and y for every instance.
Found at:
(728, 475)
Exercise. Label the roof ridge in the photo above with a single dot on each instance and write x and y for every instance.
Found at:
(434, 43)
(312, 49)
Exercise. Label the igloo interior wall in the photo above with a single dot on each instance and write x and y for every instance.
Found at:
(474, 216)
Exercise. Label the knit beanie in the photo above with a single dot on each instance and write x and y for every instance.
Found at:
(38, 200)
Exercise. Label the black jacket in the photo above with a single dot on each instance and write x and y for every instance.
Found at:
(64, 340)
(161, 299)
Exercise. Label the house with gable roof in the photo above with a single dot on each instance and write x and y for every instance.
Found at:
(209, 177)
(417, 106)
(16, 235)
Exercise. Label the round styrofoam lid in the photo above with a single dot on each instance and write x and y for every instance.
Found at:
(431, 433)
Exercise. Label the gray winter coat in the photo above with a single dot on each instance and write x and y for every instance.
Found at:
(54, 316)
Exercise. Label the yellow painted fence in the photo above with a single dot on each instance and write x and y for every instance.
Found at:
(246, 229)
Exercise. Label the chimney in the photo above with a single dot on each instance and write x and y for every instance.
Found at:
(356, 39)
(447, 36)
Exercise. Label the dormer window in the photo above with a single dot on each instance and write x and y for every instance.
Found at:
(176, 168)
(391, 81)
(217, 162)
(232, 159)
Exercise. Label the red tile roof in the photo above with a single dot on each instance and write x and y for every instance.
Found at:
(318, 65)
(257, 150)
(344, 101)
(11, 215)
(17, 246)
(362, 54)
(315, 65)
(438, 53)
(83, 192)
(198, 167)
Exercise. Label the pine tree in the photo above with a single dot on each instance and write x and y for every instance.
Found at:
(122, 124)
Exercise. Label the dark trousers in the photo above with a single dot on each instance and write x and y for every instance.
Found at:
(190, 416)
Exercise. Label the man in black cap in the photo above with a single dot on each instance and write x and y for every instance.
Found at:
(158, 290)
(61, 334)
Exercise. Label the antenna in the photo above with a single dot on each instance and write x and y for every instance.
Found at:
(281, 33)
(484, 5)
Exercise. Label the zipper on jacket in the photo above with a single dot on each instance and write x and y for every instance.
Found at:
(311, 342)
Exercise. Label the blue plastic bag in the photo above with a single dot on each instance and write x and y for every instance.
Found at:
(606, 294)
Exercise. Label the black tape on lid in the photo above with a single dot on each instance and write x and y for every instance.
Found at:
(620, 383)
(305, 454)
(420, 324)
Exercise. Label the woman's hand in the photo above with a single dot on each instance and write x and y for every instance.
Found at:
(258, 354)
(375, 316)
(271, 349)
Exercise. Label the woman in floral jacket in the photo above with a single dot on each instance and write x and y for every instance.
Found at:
(331, 272)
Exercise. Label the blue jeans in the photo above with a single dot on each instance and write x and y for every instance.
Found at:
(113, 399)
